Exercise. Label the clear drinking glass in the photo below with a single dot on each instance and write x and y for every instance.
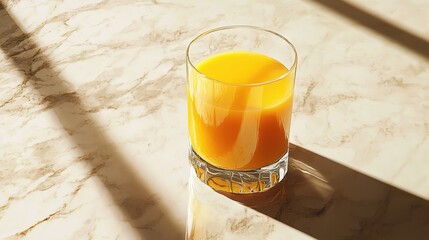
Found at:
(240, 82)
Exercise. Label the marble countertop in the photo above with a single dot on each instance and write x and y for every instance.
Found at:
(93, 132)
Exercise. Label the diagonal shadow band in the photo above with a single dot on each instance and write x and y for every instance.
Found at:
(404, 38)
(327, 200)
(101, 153)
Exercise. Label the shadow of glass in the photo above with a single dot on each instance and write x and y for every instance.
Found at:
(132, 197)
(406, 39)
(327, 200)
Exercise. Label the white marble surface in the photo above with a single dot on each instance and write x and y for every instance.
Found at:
(93, 138)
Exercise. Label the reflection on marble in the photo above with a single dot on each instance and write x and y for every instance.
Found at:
(93, 135)
(213, 216)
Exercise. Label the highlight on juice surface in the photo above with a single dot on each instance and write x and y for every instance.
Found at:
(240, 83)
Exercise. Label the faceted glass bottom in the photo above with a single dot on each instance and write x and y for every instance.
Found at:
(239, 181)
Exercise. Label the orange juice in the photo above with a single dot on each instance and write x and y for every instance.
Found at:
(239, 110)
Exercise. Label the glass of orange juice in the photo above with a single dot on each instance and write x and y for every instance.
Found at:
(240, 82)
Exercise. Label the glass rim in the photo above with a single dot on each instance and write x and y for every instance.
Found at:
(244, 27)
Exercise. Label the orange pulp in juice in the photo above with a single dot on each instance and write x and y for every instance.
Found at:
(239, 110)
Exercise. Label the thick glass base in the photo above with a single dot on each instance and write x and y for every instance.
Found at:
(236, 181)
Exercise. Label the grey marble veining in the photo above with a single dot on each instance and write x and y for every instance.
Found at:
(93, 132)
